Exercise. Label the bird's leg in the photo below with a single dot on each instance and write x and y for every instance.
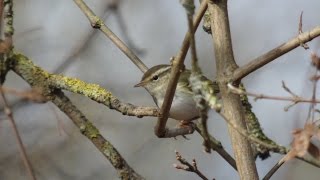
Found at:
(187, 124)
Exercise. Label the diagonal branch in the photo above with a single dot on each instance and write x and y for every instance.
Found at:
(22, 149)
(42, 80)
(215, 145)
(93, 134)
(273, 170)
(275, 53)
(97, 23)
(160, 128)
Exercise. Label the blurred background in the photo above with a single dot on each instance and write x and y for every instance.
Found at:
(57, 37)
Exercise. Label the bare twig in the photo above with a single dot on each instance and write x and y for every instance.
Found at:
(22, 149)
(313, 98)
(297, 99)
(273, 170)
(201, 104)
(304, 45)
(215, 145)
(97, 23)
(32, 95)
(93, 134)
(275, 53)
(188, 167)
(123, 27)
(160, 128)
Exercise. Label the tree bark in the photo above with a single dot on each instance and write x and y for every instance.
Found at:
(232, 107)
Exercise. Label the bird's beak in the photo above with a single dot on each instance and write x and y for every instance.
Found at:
(139, 84)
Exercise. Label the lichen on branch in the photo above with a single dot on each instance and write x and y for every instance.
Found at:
(48, 82)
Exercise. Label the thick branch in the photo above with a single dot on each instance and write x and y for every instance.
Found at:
(97, 23)
(232, 107)
(177, 64)
(35, 76)
(275, 53)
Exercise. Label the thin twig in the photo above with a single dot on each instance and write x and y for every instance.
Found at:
(201, 104)
(188, 167)
(160, 128)
(31, 95)
(123, 28)
(22, 149)
(287, 89)
(298, 99)
(274, 147)
(304, 45)
(275, 53)
(97, 23)
(273, 170)
(215, 145)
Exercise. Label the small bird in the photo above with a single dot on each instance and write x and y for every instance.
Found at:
(156, 81)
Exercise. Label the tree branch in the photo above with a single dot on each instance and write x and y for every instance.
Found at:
(22, 149)
(93, 134)
(273, 170)
(275, 53)
(97, 23)
(295, 99)
(34, 75)
(215, 145)
(232, 107)
(189, 167)
(177, 64)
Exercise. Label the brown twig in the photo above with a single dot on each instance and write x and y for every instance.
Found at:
(22, 149)
(201, 104)
(31, 95)
(297, 99)
(97, 23)
(275, 53)
(123, 27)
(188, 167)
(273, 170)
(215, 145)
(304, 45)
(160, 128)
(311, 112)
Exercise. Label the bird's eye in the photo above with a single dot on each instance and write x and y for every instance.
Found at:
(155, 77)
